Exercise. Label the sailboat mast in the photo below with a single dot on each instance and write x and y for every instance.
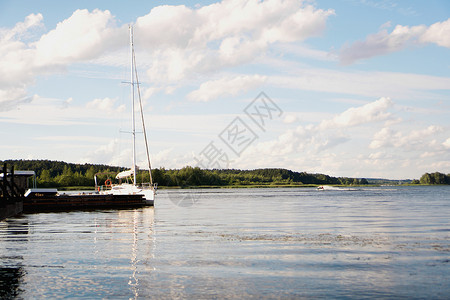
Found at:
(133, 132)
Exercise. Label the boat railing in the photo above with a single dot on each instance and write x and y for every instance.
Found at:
(102, 188)
(148, 185)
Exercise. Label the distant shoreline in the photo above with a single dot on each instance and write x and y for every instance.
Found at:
(90, 188)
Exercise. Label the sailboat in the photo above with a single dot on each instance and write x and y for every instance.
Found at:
(127, 179)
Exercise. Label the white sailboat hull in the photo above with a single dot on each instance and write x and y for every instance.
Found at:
(131, 189)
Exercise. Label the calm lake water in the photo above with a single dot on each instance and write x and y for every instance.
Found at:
(387, 242)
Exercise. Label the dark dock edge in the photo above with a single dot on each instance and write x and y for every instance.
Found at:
(12, 209)
(11, 196)
(66, 202)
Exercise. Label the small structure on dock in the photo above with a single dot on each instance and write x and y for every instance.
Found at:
(12, 188)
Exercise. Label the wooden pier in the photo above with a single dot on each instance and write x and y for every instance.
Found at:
(64, 202)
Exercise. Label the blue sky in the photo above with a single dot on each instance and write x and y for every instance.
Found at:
(354, 88)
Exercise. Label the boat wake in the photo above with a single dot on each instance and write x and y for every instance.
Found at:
(333, 188)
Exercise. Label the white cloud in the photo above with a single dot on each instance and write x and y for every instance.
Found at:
(208, 38)
(446, 144)
(396, 85)
(106, 105)
(229, 86)
(313, 142)
(168, 157)
(10, 97)
(438, 33)
(156, 29)
(305, 51)
(16, 62)
(341, 145)
(82, 36)
(270, 21)
(116, 152)
(290, 118)
(149, 92)
(378, 155)
(401, 37)
(110, 153)
(47, 111)
(413, 140)
(371, 112)
(223, 34)
(21, 29)
(66, 139)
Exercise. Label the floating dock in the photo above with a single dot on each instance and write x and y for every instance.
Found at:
(65, 202)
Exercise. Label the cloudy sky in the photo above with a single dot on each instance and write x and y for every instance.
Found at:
(356, 88)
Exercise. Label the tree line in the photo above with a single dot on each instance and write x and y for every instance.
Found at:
(190, 176)
(433, 178)
(62, 174)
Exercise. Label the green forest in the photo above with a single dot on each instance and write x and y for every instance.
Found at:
(61, 174)
(58, 174)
